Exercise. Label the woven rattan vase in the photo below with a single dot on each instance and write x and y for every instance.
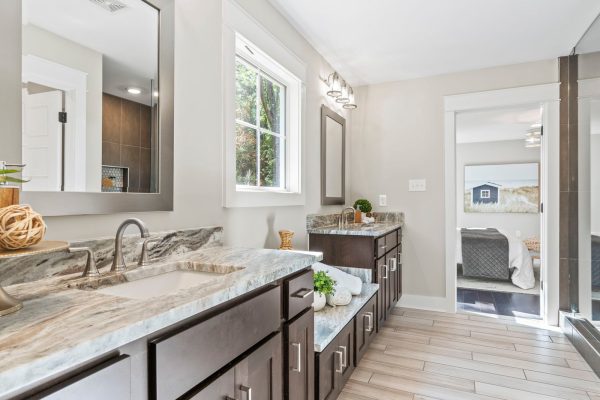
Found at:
(286, 240)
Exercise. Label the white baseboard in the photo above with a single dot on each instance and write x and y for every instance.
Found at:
(424, 303)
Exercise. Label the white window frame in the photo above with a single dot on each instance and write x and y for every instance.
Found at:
(244, 37)
(487, 192)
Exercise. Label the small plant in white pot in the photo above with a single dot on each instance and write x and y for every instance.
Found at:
(323, 285)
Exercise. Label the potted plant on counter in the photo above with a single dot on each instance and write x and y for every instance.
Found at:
(362, 206)
(9, 192)
(323, 285)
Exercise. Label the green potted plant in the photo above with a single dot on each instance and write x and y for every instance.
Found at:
(323, 285)
(362, 206)
(9, 192)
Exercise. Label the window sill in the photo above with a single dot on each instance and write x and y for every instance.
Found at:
(248, 197)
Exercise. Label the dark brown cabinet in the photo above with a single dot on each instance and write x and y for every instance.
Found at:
(299, 357)
(380, 254)
(258, 376)
(335, 364)
(365, 329)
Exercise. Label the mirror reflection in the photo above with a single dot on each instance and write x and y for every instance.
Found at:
(595, 204)
(90, 95)
(333, 157)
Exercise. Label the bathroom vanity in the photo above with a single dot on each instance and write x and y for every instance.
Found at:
(376, 248)
(246, 330)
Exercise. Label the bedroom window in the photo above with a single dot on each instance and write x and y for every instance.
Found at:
(485, 194)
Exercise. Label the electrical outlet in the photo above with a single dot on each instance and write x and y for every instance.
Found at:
(383, 200)
(417, 185)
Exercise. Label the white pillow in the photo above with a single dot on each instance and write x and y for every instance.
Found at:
(342, 279)
(341, 297)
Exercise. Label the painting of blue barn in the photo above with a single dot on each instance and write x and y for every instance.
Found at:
(487, 193)
(502, 188)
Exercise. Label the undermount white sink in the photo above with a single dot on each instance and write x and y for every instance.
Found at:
(160, 285)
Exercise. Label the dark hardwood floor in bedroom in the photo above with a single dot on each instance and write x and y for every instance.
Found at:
(499, 303)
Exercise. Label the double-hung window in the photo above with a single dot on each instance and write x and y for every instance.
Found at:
(263, 151)
(260, 126)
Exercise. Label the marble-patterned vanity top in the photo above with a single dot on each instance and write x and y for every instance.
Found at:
(331, 320)
(385, 222)
(62, 326)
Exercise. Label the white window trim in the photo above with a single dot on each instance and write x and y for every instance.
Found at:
(239, 27)
(487, 192)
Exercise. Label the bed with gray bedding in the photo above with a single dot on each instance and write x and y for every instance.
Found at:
(485, 254)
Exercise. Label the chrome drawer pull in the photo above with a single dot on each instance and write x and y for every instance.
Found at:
(303, 293)
(369, 315)
(248, 391)
(345, 360)
(298, 347)
(341, 370)
(385, 268)
(394, 264)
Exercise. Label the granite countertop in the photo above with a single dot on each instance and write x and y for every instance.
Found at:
(331, 320)
(375, 229)
(61, 326)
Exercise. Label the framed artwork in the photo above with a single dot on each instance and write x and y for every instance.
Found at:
(502, 188)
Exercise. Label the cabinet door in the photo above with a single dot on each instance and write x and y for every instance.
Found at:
(399, 275)
(384, 287)
(221, 389)
(345, 344)
(365, 328)
(328, 365)
(260, 375)
(300, 358)
(391, 262)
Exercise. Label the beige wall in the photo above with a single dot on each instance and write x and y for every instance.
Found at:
(199, 135)
(398, 134)
(51, 47)
(508, 151)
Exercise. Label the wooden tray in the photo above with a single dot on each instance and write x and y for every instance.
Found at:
(46, 246)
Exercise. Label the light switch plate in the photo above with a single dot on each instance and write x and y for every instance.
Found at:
(417, 185)
(383, 200)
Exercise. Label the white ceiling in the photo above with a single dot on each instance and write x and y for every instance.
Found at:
(128, 39)
(496, 125)
(590, 42)
(387, 40)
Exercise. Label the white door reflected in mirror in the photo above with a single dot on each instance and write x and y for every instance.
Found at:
(334, 158)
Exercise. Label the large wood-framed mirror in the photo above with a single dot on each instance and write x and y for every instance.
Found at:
(95, 90)
(333, 157)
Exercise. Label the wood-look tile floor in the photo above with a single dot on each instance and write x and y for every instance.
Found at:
(424, 355)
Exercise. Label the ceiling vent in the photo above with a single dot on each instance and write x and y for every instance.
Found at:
(110, 5)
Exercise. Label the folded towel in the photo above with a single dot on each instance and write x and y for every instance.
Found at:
(343, 279)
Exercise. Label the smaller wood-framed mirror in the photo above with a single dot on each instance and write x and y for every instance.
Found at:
(333, 157)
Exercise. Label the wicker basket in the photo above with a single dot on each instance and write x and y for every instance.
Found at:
(533, 244)
(20, 227)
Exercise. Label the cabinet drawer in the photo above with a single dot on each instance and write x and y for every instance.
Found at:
(182, 360)
(380, 247)
(366, 327)
(109, 380)
(298, 294)
(391, 240)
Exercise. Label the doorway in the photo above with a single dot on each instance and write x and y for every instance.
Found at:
(498, 165)
(544, 99)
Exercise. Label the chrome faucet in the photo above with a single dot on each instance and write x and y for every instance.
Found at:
(342, 223)
(118, 264)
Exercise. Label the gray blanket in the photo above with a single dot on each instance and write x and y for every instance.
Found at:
(596, 261)
(485, 254)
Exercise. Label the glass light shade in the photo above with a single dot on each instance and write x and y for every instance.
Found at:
(351, 104)
(343, 98)
(335, 86)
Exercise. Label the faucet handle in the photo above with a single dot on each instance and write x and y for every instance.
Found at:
(90, 265)
(144, 256)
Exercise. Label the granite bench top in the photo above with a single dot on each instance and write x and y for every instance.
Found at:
(61, 327)
(331, 320)
(375, 229)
